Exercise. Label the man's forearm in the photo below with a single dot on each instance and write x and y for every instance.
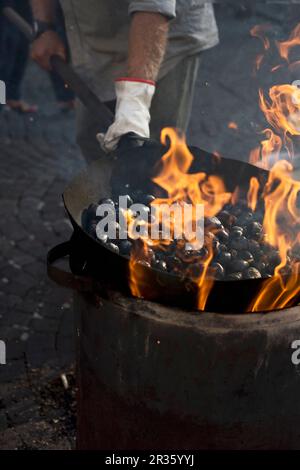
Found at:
(43, 10)
(147, 44)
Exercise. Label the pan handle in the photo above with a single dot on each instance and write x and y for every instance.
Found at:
(131, 141)
(19, 22)
(64, 277)
(87, 97)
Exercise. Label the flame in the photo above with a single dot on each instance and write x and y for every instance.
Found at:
(269, 151)
(235, 196)
(255, 156)
(281, 216)
(284, 47)
(258, 61)
(277, 201)
(270, 147)
(280, 194)
(182, 187)
(282, 111)
(277, 293)
(252, 196)
(136, 272)
(258, 31)
(135, 277)
(233, 125)
(194, 188)
(205, 284)
(275, 68)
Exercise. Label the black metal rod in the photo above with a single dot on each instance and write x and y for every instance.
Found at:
(19, 22)
(87, 97)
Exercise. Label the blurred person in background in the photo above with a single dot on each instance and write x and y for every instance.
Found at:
(140, 57)
(14, 55)
(14, 52)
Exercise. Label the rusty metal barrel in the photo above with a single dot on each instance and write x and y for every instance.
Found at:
(153, 377)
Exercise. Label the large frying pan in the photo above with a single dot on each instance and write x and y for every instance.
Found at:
(92, 263)
(135, 163)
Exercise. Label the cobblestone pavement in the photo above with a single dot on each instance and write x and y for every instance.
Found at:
(38, 157)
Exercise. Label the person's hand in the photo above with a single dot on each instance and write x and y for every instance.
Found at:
(134, 98)
(45, 46)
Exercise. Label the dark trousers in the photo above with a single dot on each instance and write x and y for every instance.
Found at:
(14, 50)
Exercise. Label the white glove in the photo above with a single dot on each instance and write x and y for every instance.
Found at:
(134, 98)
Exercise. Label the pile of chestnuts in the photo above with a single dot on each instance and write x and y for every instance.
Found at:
(235, 234)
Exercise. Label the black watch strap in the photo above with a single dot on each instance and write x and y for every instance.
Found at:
(40, 27)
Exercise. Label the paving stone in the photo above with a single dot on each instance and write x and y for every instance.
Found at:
(12, 370)
(42, 324)
(3, 422)
(15, 317)
(15, 350)
(23, 412)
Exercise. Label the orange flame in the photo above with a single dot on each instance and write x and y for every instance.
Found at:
(281, 217)
(233, 125)
(253, 193)
(277, 201)
(255, 156)
(280, 194)
(277, 292)
(136, 272)
(205, 283)
(271, 146)
(258, 31)
(282, 112)
(182, 187)
(276, 67)
(195, 188)
(284, 47)
(258, 61)
(135, 277)
(269, 152)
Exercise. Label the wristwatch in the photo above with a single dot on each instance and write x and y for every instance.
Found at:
(40, 27)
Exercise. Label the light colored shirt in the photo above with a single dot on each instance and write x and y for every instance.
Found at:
(98, 35)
